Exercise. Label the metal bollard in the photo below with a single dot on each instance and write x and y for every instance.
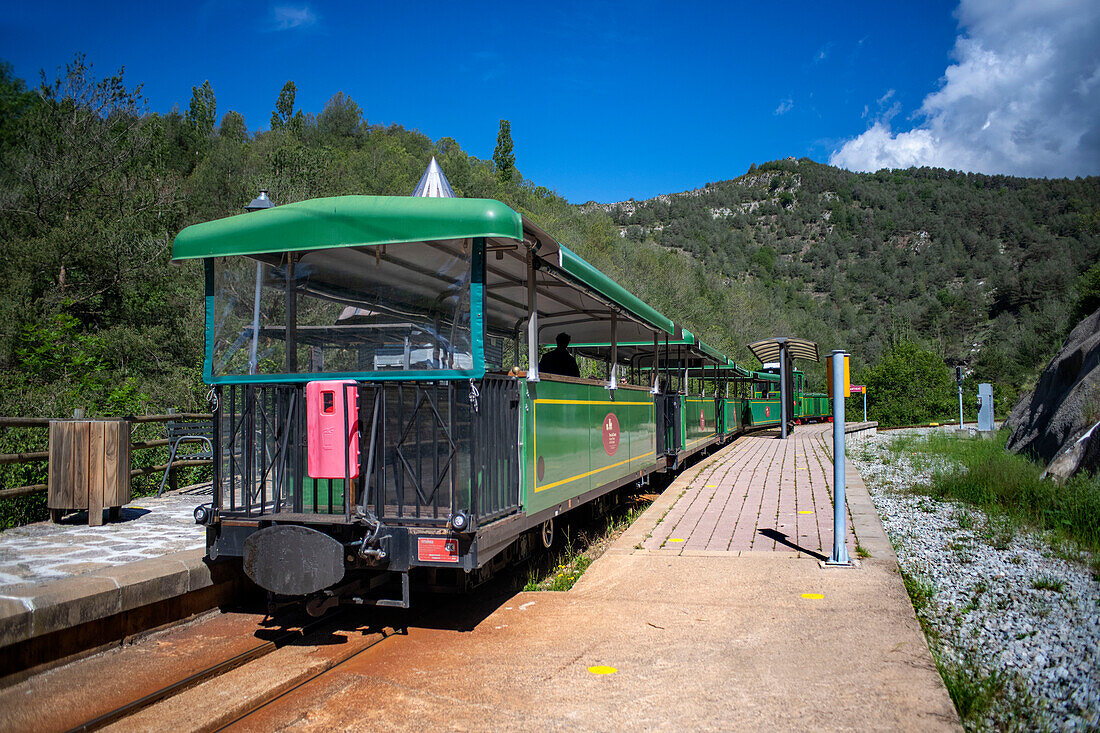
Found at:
(840, 518)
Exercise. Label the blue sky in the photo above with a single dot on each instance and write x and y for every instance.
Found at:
(610, 101)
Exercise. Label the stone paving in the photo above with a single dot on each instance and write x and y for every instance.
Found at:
(762, 494)
(149, 527)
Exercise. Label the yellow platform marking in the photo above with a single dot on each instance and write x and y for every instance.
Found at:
(674, 539)
(805, 511)
(601, 669)
(813, 596)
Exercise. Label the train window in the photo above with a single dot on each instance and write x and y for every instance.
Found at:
(399, 308)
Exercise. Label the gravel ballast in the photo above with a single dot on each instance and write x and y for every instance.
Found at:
(1003, 602)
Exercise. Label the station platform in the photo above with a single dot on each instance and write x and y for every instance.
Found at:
(69, 588)
(765, 495)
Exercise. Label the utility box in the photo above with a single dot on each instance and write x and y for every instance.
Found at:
(985, 407)
(332, 434)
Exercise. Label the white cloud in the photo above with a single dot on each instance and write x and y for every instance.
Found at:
(287, 17)
(1022, 98)
(784, 107)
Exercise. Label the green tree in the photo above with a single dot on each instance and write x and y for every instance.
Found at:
(340, 118)
(233, 128)
(284, 117)
(203, 109)
(909, 385)
(503, 157)
(1087, 292)
(15, 102)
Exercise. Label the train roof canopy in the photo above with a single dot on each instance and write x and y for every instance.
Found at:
(573, 295)
(347, 221)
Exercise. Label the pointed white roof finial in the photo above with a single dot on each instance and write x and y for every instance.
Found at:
(433, 184)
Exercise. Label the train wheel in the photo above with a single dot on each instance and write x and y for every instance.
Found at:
(547, 533)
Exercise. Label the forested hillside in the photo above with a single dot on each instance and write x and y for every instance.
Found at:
(982, 270)
(93, 188)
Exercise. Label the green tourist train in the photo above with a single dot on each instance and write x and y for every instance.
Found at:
(381, 419)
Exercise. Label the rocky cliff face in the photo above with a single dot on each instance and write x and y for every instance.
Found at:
(1057, 423)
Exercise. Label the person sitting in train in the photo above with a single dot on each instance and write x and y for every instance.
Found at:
(559, 360)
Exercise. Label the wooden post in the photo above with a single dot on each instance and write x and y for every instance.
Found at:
(94, 484)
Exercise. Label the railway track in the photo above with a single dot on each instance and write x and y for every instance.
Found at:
(197, 678)
(256, 678)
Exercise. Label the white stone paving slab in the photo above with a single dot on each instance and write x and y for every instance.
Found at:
(149, 527)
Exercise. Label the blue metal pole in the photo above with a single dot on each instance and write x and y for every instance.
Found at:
(840, 519)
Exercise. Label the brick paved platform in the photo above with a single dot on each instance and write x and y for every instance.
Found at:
(762, 494)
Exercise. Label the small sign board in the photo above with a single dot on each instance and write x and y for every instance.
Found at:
(436, 549)
(858, 389)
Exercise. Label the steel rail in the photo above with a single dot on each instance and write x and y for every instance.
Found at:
(201, 676)
(319, 673)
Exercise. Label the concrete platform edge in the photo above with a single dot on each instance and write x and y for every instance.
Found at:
(36, 609)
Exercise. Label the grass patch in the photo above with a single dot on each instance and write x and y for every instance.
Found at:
(983, 474)
(920, 592)
(561, 571)
(1047, 582)
(862, 551)
(972, 691)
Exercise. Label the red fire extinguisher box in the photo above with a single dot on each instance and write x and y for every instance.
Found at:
(332, 436)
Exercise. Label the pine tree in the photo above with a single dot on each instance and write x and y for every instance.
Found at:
(202, 112)
(503, 157)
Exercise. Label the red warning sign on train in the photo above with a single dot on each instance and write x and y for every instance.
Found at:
(436, 549)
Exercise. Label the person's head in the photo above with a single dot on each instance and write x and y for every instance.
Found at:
(563, 340)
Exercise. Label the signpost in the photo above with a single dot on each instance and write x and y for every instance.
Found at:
(959, 379)
(839, 389)
(861, 389)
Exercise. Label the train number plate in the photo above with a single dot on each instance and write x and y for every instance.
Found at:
(436, 549)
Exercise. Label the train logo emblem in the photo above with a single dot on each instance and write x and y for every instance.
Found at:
(702, 419)
(610, 434)
(767, 411)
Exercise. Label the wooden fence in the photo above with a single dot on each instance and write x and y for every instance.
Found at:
(44, 422)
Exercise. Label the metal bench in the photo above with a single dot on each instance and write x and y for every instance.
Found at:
(199, 434)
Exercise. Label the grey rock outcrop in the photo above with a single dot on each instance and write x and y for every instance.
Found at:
(1051, 423)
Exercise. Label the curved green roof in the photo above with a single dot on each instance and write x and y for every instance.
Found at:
(582, 270)
(345, 221)
(712, 352)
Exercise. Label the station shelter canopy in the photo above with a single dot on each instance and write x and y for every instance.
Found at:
(767, 350)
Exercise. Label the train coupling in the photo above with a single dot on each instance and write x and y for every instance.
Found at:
(374, 547)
